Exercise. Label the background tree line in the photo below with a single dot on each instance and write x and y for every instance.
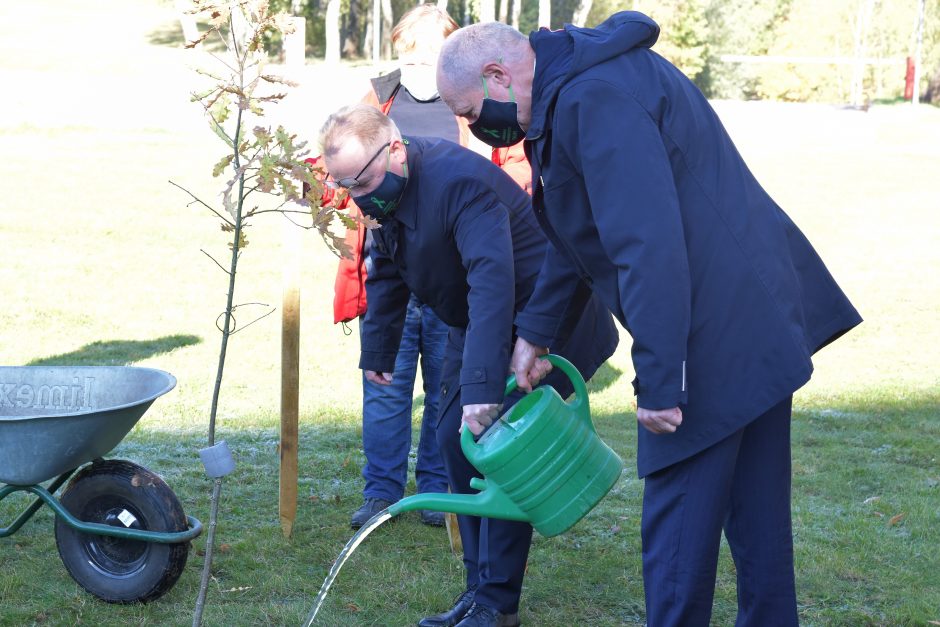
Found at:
(805, 39)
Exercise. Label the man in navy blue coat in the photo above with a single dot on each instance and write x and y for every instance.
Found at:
(460, 234)
(642, 192)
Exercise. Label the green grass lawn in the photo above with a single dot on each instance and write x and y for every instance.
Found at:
(100, 262)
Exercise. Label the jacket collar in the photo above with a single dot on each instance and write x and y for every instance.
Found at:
(562, 54)
(553, 54)
(386, 86)
(407, 211)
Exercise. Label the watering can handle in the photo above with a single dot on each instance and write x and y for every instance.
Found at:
(580, 395)
(580, 389)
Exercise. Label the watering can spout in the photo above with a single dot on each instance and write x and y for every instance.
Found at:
(491, 502)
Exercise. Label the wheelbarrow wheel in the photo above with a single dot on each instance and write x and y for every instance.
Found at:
(121, 494)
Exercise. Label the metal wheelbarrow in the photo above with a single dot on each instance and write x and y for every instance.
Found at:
(120, 530)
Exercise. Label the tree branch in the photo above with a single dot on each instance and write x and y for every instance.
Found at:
(295, 223)
(221, 60)
(261, 317)
(199, 200)
(216, 262)
(278, 210)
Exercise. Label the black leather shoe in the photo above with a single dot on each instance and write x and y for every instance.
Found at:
(452, 616)
(483, 616)
(370, 508)
(431, 518)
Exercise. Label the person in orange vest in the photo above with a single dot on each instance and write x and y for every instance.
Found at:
(408, 95)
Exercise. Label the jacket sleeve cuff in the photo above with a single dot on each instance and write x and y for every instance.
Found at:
(536, 329)
(479, 394)
(661, 401)
(477, 386)
(376, 361)
(658, 399)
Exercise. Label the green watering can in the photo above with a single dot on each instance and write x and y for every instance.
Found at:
(543, 463)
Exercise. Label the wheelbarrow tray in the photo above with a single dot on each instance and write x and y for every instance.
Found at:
(56, 418)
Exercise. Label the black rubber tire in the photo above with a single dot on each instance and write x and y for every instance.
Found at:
(113, 569)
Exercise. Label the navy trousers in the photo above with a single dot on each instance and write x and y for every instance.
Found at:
(495, 551)
(741, 485)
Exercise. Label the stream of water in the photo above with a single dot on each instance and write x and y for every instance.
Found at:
(344, 555)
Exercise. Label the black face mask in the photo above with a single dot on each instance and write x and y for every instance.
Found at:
(383, 199)
(498, 122)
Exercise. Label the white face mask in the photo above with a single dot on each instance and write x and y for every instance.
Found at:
(420, 81)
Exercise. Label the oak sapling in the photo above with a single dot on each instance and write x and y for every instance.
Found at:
(263, 168)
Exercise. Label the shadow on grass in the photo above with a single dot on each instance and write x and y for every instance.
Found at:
(605, 376)
(117, 352)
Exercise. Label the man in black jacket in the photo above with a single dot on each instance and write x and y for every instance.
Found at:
(459, 233)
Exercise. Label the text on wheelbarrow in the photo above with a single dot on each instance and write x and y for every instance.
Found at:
(80, 395)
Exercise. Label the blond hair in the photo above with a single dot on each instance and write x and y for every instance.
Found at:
(424, 26)
(367, 125)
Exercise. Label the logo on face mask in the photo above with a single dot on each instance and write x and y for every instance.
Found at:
(384, 206)
(383, 200)
(501, 135)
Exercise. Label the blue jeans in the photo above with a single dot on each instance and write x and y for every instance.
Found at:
(386, 412)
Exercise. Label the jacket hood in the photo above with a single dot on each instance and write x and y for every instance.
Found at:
(562, 54)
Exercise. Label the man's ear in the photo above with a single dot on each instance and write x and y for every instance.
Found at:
(398, 151)
(498, 73)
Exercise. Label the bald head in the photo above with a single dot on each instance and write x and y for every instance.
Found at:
(467, 51)
(359, 123)
(492, 54)
(351, 141)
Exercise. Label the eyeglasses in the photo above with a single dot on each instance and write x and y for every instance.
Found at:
(353, 181)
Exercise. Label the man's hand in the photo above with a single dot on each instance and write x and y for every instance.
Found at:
(379, 378)
(529, 370)
(659, 420)
(478, 417)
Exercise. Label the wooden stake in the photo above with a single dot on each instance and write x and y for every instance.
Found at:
(294, 47)
(290, 383)
(453, 533)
